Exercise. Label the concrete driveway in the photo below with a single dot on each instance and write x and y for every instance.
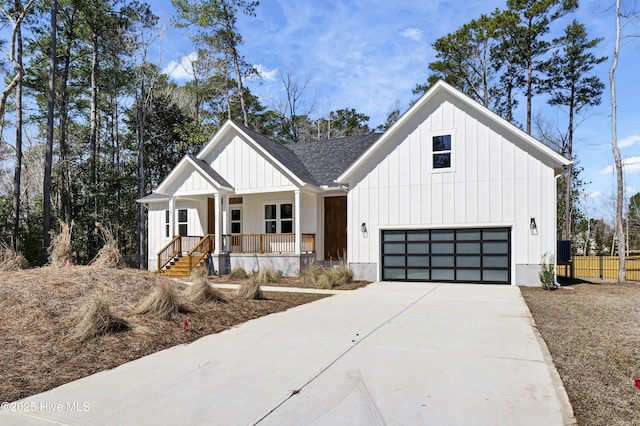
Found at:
(387, 354)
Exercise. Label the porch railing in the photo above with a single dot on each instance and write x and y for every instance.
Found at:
(268, 243)
(169, 252)
(193, 246)
(201, 250)
(196, 248)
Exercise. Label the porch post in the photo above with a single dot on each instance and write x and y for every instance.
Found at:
(225, 213)
(172, 214)
(216, 226)
(296, 218)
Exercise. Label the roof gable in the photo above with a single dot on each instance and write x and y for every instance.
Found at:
(185, 168)
(277, 154)
(442, 89)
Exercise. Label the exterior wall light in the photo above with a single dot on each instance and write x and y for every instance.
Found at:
(533, 226)
(363, 228)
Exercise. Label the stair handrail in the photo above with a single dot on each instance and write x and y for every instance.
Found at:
(207, 239)
(164, 258)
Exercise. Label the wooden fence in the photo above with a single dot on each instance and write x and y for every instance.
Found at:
(600, 267)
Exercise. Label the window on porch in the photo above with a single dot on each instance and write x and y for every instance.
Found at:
(278, 218)
(182, 222)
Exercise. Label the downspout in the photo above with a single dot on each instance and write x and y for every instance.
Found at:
(555, 221)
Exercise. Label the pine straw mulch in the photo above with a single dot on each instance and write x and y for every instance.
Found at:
(286, 282)
(593, 334)
(39, 314)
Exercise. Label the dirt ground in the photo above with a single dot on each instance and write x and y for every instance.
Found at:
(593, 333)
(37, 309)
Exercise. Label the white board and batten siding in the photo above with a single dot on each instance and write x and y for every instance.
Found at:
(493, 182)
(245, 169)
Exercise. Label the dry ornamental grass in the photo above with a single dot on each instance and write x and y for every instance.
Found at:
(60, 249)
(201, 292)
(39, 315)
(250, 290)
(163, 302)
(109, 255)
(11, 260)
(95, 319)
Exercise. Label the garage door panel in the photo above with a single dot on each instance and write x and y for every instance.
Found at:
(480, 255)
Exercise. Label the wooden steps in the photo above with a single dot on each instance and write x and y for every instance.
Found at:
(179, 267)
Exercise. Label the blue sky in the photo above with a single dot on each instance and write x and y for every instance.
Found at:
(369, 55)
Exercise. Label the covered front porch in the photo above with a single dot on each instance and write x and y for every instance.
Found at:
(273, 229)
(184, 253)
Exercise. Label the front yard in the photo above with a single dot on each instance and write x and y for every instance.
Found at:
(38, 315)
(593, 333)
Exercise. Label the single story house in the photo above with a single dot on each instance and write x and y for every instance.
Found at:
(450, 193)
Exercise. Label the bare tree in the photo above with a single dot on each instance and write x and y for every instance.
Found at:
(292, 108)
(622, 273)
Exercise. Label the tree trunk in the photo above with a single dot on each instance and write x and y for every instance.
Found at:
(529, 96)
(63, 129)
(243, 105)
(622, 275)
(93, 144)
(568, 202)
(18, 163)
(46, 203)
(140, 228)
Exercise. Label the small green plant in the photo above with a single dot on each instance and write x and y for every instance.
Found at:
(547, 272)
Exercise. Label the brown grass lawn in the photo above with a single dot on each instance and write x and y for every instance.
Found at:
(37, 309)
(593, 333)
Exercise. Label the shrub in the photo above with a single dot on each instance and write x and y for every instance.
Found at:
(547, 272)
(341, 274)
(310, 275)
(326, 281)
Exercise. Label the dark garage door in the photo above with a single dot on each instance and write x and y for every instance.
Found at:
(447, 255)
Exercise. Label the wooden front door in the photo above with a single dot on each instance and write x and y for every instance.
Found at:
(335, 228)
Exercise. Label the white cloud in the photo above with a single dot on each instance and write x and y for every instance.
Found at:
(412, 33)
(630, 165)
(628, 141)
(182, 70)
(266, 74)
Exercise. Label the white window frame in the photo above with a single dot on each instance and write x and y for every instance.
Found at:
(185, 223)
(233, 207)
(167, 223)
(448, 151)
(278, 219)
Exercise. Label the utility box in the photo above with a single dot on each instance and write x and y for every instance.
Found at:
(564, 251)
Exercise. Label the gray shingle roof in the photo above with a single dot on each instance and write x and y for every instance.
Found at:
(283, 155)
(154, 196)
(327, 159)
(206, 168)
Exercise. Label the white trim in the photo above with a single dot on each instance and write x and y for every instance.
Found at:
(444, 88)
(179, 169)
(226, 128)
(278, 219)
(297, 229)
